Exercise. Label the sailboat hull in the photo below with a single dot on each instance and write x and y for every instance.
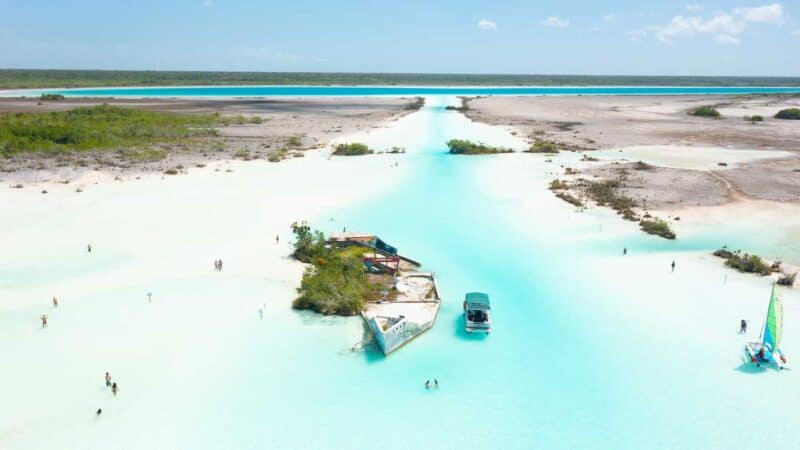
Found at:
(753, 354)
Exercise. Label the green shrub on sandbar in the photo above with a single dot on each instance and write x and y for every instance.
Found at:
(744, 262)
(790, 114)
(658, 227)
(352, 149)
(567, 197)
(705, 111)
(542, 147)
(466, 147)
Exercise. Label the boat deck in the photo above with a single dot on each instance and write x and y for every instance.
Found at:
(412, 312)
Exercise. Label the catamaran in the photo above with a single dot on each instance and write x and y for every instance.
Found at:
(476, 313)
(768, 350)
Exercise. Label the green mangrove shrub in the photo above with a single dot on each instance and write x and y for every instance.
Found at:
(656, 226)
(789, 113)
(352, 149)
(466, 147)
(705, 111)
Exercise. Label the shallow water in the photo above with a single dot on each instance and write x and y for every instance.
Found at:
(580, 356)
(590, 349)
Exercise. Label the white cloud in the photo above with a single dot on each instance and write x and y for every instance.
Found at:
(610, 17)
(726, 39)
(724, 27)
(694, 7)
(762, 14)
(487, 25)
(209, 2)
(680, 26)
(553, 21)
(795, 32)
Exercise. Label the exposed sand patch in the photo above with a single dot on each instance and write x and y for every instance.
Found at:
(295, 124)
(603, 122)
(691, 158)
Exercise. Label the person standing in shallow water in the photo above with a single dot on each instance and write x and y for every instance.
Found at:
(673, 265)
(89, 248)
(44, 320)
(624, 251)
(114, 388)
(108, 379)
(55, 302)
(743, 327)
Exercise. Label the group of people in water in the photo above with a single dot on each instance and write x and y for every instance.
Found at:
(625, 252)
(218, 265)
(43, 317)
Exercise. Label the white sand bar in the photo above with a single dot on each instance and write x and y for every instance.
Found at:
(690, 157)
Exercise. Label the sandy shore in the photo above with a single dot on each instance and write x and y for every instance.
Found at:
(696, 163)
(309, 122)
(603, 122)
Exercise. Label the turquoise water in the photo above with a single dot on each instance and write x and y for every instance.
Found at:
(275, 91)
(589, 350)
(577, 359)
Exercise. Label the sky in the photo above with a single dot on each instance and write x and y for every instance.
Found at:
(464, 36)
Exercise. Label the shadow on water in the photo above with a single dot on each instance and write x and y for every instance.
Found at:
(461, 332)
(368, 346)
(751, 369)
(372, 353)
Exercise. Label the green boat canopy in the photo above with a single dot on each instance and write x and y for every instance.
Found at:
(477, 301)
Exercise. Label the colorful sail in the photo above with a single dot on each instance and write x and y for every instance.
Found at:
(774, 325)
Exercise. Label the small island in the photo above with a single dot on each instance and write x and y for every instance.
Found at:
(357, 273)
(612, 193)
(466, 147)
(656, 226)
(748, 263)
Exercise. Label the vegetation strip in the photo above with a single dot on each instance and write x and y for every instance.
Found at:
(99, 128)
(31, 78)
(352, 149)
(466, 147)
